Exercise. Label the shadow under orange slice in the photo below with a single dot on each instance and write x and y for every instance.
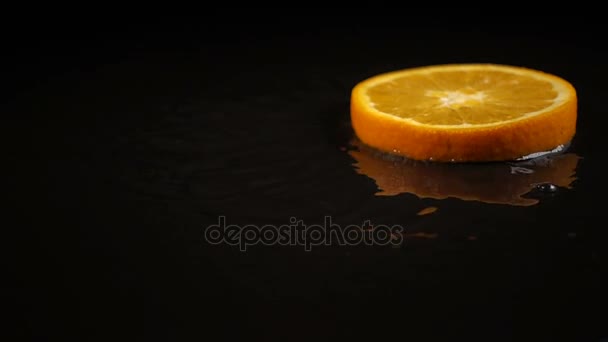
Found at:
(499, 183)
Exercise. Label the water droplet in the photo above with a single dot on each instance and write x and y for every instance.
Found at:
(547, 187)
(427, 211)
(556, 150)
(520, 170)
(422, 235)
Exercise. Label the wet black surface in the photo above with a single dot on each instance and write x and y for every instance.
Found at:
(127, 145)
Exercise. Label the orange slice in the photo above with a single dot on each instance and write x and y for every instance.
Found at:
(464, 112)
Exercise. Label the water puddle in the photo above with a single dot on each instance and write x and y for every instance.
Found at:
(497, 183)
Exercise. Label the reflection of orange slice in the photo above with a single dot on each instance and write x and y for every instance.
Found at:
(501, 183)
(464, 112)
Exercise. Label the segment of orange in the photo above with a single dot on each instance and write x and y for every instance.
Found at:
(464, 112)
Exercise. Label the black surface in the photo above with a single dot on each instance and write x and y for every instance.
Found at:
(128, 140)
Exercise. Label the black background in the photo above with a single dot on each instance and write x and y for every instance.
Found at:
(127, 136)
